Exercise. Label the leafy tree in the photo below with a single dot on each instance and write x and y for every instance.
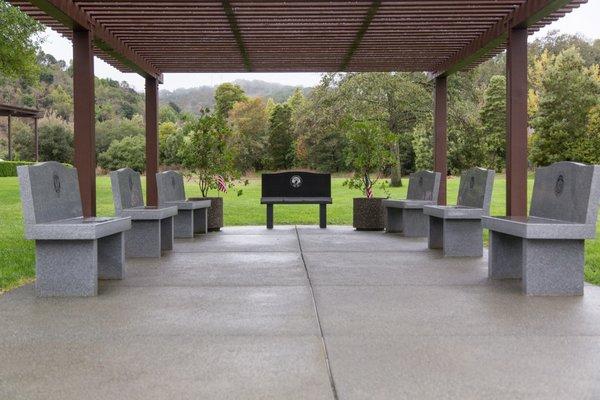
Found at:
(296, 99)
(18, 43)
(493, 117)
(127, 152)
(170, 148)
(167, 114)
(368, 152)
(62, 102)
(205, 152)
(422, 143)
(249, 122)
(226, 95)
(117, 129)
(22, 141)
(569, 91)
(55, 140)
(590, 147)
(281, 139)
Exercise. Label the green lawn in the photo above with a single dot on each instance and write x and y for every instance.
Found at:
(17, 254)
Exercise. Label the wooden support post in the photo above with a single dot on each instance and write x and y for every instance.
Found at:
(84, 119)
(36, 141)
(516, 138)
(440, 121)
(9, 138)
(151, 140)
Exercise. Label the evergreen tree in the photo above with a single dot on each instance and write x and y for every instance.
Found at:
(493, 119)
(226, 95)
(281, 139)
(569, 91)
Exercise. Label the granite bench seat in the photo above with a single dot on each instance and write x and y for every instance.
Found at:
(296, 187)
(71, 252)
(78, 228)
(192, 216)
(406, 216)
(546, 250)
(295, 200)
(151, 227)
(457, 229)
(539, 228)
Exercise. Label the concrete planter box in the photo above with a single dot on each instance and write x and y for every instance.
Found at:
(215, 212)
(368, 214)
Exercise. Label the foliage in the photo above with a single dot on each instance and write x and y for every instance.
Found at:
(9, 168)
(568, 92)
(226, 95)
(368, 152)
(249, 123)
(493, 118)
(281, 139)
(129, 151)
(205, 152)
(167, 113)
(18, 43)
(116, 129)
(55, 140)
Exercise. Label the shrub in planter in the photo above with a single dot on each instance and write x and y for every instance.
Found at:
(205, 154)
(368, 153)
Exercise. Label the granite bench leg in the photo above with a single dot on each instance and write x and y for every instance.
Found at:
(393, 220)
(416, 224)
(66, 268)
(184, 224)
(322, 216)
(269, 216)
(553, 267)
(505, 259)
(111, 256)
(166, 233)
(201, 220)
(436, 233)
(143, 239)
(463, 238)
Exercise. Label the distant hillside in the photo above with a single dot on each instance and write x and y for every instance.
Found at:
(203, 96)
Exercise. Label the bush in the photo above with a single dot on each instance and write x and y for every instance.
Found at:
(9, 168)
(127, 152)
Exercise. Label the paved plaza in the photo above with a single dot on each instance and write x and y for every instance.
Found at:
(301, 313)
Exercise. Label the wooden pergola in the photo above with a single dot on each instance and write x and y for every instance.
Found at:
(10, 111)
(152, 37)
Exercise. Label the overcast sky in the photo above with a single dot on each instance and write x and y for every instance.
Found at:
(584, 20)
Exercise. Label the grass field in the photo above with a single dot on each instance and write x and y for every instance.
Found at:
(17, 254)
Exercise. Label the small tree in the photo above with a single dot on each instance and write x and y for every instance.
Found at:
(127, 152)
(281, 139)
(368, 152)
(205, 152)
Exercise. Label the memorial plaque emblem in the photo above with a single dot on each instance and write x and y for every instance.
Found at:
(296, 181)
(420, 181)
(472, 182)
(130, 183)
(559, 186)
(56, 183)
(173, 181)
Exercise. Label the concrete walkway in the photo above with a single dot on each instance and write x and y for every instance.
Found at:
(301, 313)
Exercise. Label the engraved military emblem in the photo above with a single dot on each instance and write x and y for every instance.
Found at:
(420, 181)
(472, 182)
(559, 185)
(56, 183)
(296, 181)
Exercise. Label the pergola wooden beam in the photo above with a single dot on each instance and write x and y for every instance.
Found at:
(526, 15)
(72, 17)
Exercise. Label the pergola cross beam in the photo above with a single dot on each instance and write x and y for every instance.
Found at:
(360, 34)
(235, 30)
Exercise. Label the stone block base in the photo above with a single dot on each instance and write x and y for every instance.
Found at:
(456, 237)
(148, 238)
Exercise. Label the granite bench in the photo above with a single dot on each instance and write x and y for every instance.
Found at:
(457, 229)
(151, 227)
(72, 252)
(546, 249)
(407, 216)
(192, 216)
(296, 187)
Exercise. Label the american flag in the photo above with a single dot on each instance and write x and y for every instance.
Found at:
(221, 185)
(368, 187)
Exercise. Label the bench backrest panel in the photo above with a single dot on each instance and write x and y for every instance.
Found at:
(126, 187)
(49, 192)
(475, 188)
(170, 186)
(423, 185)
(296, 184)
(566, 191)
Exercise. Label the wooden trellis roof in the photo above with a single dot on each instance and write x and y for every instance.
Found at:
(156, 36)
